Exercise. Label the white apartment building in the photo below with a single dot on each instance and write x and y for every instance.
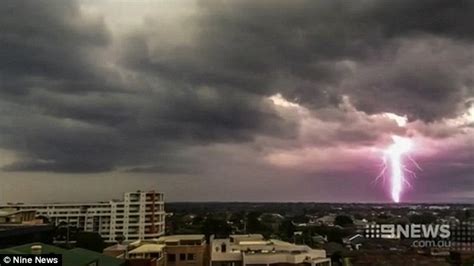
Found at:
(140, 215)
(254, 250)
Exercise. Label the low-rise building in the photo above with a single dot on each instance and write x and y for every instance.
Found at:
(354, 242)
(173, 250)
(185, 250)
(14, 216)
(19, 227)
(117, 250)
(147, 251)
(138, 253)
(328, 220)
(254, 250)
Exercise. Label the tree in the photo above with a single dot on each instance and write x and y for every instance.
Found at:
(336, 258)
(91, 241)
(424, 218)
(300, 218)
(287, 229)
(333, 234)
(65, 233)
(212, 226)
(343, 220)
(254, 225)
(197, 220)
(120, 238)
(237, 219)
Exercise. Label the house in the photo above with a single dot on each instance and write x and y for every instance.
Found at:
(324, 220)
(319, 239)
(18, 227)
(354, 242)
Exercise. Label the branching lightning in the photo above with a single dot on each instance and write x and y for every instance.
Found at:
(393, 162)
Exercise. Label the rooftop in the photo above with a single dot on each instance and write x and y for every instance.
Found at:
(180, 237)
(247, 236)
(116, 247)
(147, 248)
(11, 211)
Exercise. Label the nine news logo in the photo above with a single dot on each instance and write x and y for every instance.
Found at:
(31, 260)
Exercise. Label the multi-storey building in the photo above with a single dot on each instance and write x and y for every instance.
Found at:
(140, 215)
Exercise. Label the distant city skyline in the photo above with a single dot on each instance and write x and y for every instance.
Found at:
(234, 100)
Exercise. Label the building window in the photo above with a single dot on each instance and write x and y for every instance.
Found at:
(191, 256)
(182, 256)
(171, 257)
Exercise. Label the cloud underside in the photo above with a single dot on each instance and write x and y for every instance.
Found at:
(302, 86)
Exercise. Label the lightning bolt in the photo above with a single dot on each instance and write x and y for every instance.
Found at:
(393, 161)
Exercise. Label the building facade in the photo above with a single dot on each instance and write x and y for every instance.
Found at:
(14, 216)
(172, 250)
(185, 250)
(139, 215)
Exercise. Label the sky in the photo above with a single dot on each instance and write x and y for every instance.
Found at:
(235, 100)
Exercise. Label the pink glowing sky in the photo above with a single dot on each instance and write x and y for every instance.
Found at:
(336, 148)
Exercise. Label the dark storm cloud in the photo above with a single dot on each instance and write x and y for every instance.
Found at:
(70, 105)
(304, 49)
(66, 112)
(440, 17)
(46, 47)
(43, 40)
(426, 78)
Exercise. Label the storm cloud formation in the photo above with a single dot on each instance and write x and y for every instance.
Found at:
(295, 89)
